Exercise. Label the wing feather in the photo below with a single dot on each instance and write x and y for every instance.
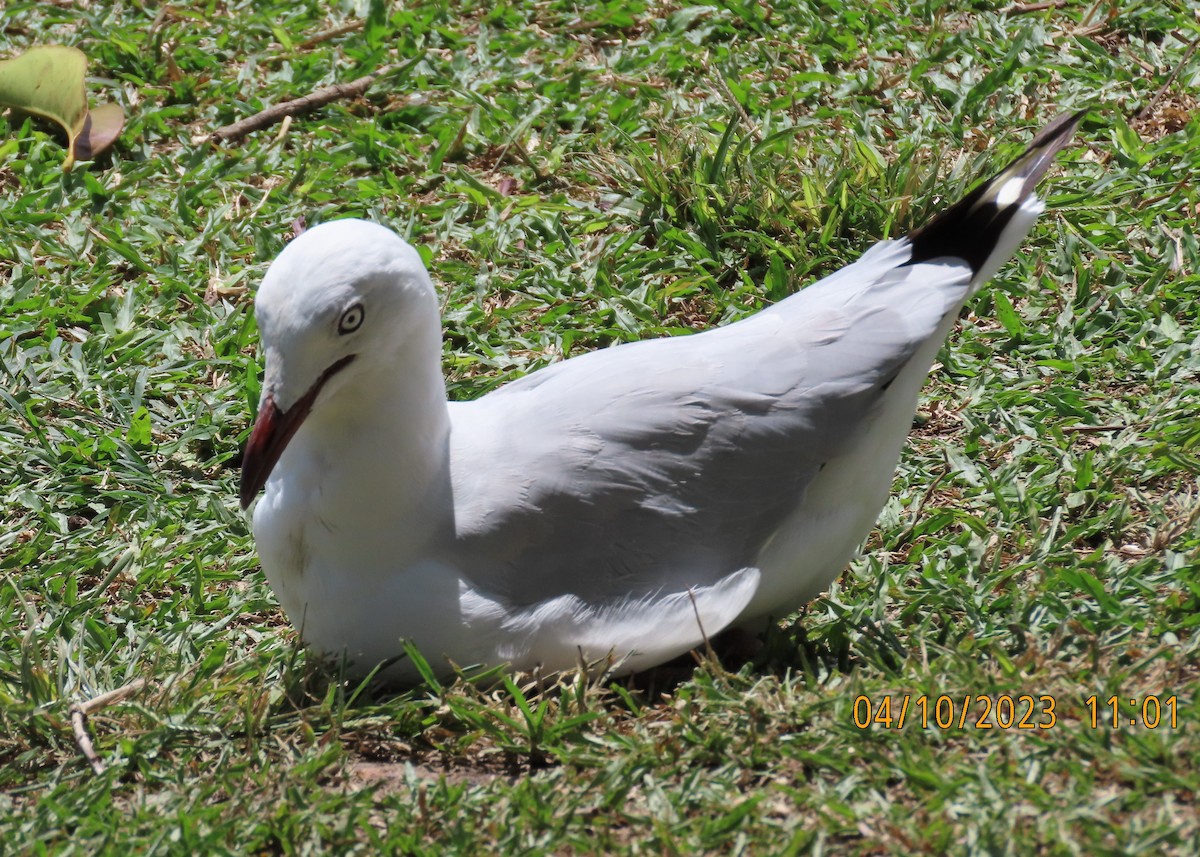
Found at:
(644, 469)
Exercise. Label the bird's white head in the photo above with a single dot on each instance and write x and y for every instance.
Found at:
(336, 302)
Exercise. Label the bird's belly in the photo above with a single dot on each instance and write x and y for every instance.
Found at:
(841, 505)
(812, 548)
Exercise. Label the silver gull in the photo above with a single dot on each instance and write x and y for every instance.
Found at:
(621, 504)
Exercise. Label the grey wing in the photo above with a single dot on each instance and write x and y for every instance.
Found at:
(668, 464)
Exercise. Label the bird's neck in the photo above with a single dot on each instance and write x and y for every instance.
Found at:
(382, 447)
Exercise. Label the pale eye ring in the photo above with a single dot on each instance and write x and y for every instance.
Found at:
(351, 319)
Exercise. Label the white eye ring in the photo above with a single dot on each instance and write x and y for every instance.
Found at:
(351, 319)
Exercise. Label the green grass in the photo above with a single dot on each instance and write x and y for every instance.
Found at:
(578, 175)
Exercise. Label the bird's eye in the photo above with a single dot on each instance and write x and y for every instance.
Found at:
(351, 319)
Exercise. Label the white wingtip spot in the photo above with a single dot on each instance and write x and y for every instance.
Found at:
(1010, 191)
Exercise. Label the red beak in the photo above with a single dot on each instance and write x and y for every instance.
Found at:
(273, 431)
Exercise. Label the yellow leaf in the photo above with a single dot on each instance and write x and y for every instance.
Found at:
(48, 81)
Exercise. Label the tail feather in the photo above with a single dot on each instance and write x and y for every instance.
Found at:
(978, 224)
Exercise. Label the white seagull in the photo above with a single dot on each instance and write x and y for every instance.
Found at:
(623, 504)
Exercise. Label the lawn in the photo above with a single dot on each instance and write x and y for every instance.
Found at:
(579, 175)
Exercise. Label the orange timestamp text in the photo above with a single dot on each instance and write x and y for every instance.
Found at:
(1023, 711)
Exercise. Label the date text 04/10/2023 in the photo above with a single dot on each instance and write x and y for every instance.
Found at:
(1024, 711)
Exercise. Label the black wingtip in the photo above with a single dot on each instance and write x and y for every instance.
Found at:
(971, 228)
